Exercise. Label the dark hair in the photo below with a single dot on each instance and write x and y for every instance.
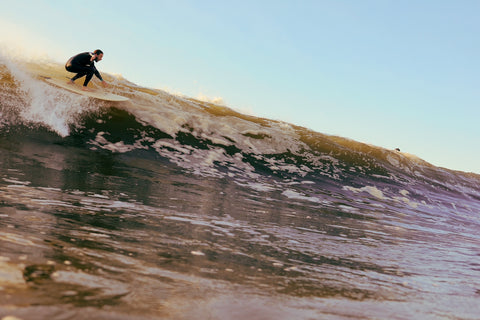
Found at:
(98, 51)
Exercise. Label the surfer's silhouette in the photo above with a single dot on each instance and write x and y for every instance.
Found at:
(83, 64)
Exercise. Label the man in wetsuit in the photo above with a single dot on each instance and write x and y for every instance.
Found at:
(83, 64)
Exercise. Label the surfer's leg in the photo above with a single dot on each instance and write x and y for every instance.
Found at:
(88, 77)
(78, 75)
(80, 72)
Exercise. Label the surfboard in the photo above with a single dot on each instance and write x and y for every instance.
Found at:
(97, 94)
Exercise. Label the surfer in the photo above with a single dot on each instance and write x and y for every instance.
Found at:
(83, 64)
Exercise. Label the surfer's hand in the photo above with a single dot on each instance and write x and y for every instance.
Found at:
(104, 84)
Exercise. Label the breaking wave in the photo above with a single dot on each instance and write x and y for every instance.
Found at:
(213, 140)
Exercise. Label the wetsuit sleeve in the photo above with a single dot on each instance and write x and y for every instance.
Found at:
(97, 73)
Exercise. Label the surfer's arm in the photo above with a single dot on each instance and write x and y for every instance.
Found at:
(95, 71)
(99, 76)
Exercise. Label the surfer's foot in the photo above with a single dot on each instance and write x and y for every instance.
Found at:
(86, 89)
(70, 82)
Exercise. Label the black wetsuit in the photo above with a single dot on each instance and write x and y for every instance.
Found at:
(82, 65)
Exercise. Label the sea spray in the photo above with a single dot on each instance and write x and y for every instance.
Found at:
(39, 104)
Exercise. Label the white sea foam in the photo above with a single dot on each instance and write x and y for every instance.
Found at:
(374, 191)
(215, 100)
(291, 194)
(370, 189)
(44, 104)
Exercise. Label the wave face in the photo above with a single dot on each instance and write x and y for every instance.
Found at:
(177, 191)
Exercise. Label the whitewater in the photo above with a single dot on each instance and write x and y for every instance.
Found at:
(168, 207)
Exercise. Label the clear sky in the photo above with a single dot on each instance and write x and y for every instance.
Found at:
(387, 72)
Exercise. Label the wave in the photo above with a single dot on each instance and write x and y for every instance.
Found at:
(205, 138)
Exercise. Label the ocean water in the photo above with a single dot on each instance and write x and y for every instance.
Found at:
(166, 207)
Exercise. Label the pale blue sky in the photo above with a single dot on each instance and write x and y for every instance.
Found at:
(389, 73)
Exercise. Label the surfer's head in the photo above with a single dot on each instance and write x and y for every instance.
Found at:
(98, 55)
